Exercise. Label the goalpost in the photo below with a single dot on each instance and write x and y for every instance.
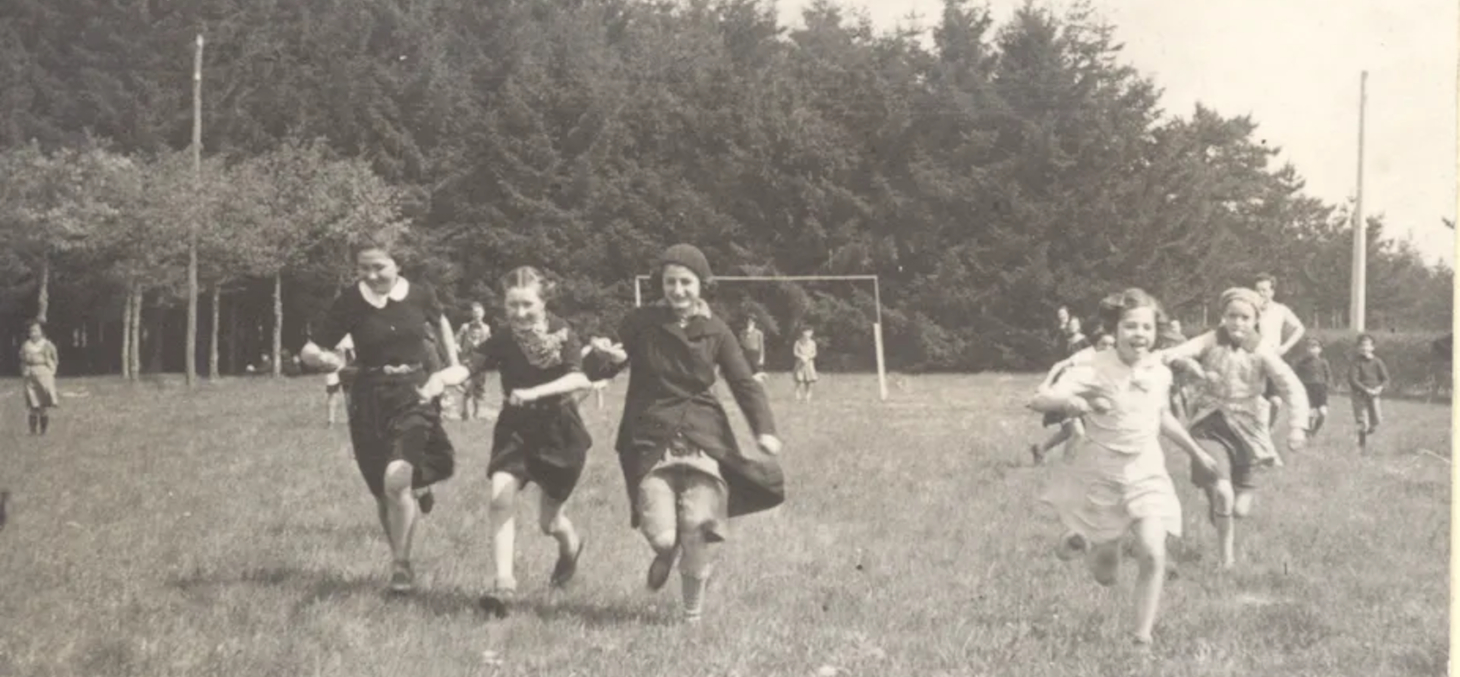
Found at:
(876, 294)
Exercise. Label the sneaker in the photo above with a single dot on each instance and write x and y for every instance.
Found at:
(402, 579)
(567, 565)
(659, 569)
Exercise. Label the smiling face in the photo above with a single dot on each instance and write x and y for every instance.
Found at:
(1239, 319)
(681, 288)
(525, 307)
(1135, 334)
(377, 270)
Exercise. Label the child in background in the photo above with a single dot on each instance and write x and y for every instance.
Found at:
(38, 364)
(805, 372)
(1068, 427)
(1118, 480)
(1316, 374)
(1077, 340)
(1367, 377)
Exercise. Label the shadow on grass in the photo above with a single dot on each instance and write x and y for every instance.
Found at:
(323, 587)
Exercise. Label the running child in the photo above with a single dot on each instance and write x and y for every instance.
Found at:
(685, 474)
(539, 436)
(1316, 374)
(1118, 481)
(394, 414)
(1068, 427)
(1367, 377)
(804, 351)
(1230, 410)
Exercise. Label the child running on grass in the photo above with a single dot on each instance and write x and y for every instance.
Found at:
(539, 437)
(1230, 410)
(685, 474)
(1118, 480)
(1316, 374)
(1367, 377)
(1068, 426)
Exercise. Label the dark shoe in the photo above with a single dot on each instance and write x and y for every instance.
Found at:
(402, 579)
(659, 569)
(427, 501)
(497, 602)
(567, 566)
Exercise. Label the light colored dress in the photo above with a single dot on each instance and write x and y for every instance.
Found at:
(805, 352)
(1117, 474)
(38, 362)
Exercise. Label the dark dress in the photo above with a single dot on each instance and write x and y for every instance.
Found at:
(671, 396)
(544, 442)
(388, 421)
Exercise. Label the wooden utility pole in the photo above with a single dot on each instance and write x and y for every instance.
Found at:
(192, 342)
(1361, 235)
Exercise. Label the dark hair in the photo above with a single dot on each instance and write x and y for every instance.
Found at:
(1115, 306)
(528, 276)
(1314, 341)
(1264, 277)
(35, 324)
(1364, 337)
(386, 245)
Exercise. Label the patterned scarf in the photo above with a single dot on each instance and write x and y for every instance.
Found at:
(543, 348)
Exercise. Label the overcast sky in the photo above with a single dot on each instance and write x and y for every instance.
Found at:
(1294, 66)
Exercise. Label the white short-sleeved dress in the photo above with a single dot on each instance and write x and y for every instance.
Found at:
(1117, 474)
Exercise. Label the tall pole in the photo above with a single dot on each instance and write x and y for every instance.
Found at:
(1361, 244)
(192, 342)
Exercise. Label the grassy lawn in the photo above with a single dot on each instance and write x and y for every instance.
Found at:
(227, 532)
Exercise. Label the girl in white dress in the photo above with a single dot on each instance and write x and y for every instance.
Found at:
(1117, 480)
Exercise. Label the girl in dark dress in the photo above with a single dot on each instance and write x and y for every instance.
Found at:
(539, 436)
(395, 418)
(684, 472)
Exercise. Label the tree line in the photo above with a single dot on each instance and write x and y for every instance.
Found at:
(987, 173)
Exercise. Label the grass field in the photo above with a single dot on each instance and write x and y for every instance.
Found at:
(227, 532)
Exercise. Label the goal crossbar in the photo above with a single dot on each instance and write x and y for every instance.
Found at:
(876, 294)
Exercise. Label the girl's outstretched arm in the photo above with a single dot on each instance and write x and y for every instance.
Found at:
(748, 392)
(1292, 393)
(607, 359)
(571, 354)
(1190, 351)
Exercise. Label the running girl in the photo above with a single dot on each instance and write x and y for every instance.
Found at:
(539, 437)
(1230, 410)
(685, 474)
(395, 417)
(1118, 480)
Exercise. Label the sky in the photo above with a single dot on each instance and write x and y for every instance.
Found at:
(1293, 66)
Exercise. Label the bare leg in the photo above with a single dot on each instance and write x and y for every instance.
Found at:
(659, 523)
(1151, 556)
(399, 508)
(1220, 498)
(553, 522)
(504, 529)
(696, 518)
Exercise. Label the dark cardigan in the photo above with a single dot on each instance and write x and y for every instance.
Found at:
(671, 393)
